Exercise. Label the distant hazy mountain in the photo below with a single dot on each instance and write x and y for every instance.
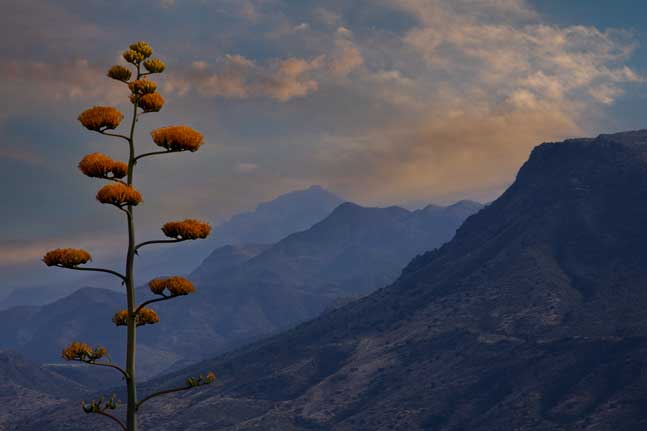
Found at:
(33, 296)
(532, 318)
(268, 223)
(274, 220)
(244, 291)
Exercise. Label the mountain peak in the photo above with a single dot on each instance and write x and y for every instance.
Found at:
(273, 220)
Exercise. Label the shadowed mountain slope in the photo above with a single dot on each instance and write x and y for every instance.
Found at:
(26, 386)
(531, 318)
(350, 253)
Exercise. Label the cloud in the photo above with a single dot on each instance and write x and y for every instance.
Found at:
(237, 77)
(22, 252)
(20, 155)
(37, 85)
(476, 85)
(345, 57)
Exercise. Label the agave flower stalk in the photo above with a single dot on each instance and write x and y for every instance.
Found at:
(121, 193)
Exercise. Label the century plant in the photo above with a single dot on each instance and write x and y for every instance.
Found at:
(121, 193)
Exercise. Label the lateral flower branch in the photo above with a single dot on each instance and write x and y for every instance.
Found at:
(121, 193)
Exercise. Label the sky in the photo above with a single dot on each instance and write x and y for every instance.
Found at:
(380, 101)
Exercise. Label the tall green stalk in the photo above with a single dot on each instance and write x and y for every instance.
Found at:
(131, 412)
(122, 194)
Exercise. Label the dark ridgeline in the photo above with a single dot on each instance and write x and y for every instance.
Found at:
(243, 291)
(531, 318)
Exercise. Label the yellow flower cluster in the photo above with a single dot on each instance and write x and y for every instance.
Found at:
(154, 65)
(99, 118)
(143, 48)
(152, 102)
(186, 229)
(132, 56)
(78, 351)
(177, 138)
(201, 380)
(142, 86)
(138, 52)
(175, 285)
(119, 194)
(66, 257)
(144, 95)
(119, 73)
(97, 165)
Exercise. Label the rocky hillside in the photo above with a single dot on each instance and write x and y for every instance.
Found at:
(26, 387)
(531, 318)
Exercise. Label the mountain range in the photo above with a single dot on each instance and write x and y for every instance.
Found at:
(243, 291)
(270, 222)
(531, 318)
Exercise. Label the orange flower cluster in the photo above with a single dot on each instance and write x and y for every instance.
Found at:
(99, 165)
(201, 380)
(146, 316)
(186, 229)
(175, 285)
(120, 318)
(119, 73)
(78, 351)
(177, 138)
(66, 257)
(142, 86)
(154, 65)
(99, 118)
(119, 194)
(152, 102)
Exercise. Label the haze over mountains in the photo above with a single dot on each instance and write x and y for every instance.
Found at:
(531, 318)
(245, 291)
(267, 224)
